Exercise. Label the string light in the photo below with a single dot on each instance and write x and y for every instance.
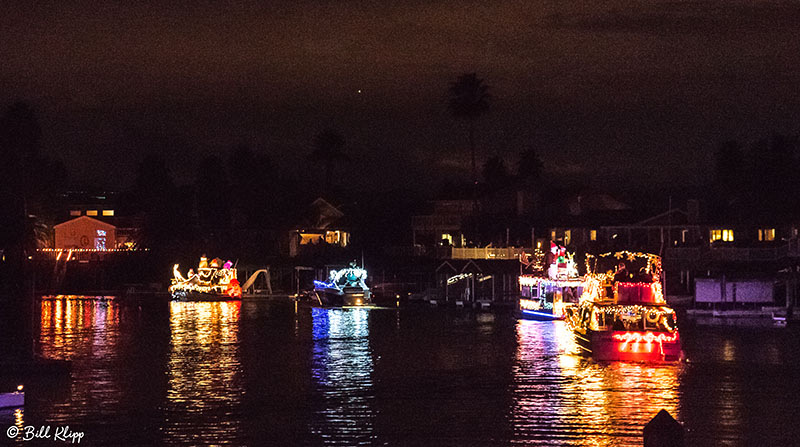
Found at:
(207, 280)
(347, 277)
(60, 250)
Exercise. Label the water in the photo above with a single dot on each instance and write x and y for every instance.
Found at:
(262, 373)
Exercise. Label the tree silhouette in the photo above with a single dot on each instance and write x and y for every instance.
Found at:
(20, 140)
(469, 100)
(529, 169)
(253, 179)
(328, 150)
(730, 168)
(213, 194)
(495, 173)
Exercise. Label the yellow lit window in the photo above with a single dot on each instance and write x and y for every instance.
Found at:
(592, 235)
(75, 212)
(310, 238)
(108, 212)
(567, 236)
(553, 235)
(91, 212)
(766, 234)
(722, 235)
(447, 237)
(333, 237)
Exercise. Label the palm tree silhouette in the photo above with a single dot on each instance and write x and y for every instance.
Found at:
(469, 100)
(328, 146)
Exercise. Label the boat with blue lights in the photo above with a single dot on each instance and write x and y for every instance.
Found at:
(622, 313)
(345, 287)
(546, 293)
(213, 281)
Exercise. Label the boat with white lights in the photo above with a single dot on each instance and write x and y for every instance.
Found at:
(622, 313)
(213, 281)
(546, 292)
(346, 287)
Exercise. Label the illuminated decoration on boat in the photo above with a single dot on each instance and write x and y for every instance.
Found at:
(211, 280)
(563, 265)
(535, 280)
(643, 341)
(346, 277)
(534, 304)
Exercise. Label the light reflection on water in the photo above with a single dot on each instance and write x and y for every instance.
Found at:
(341, 368)
(204, 392)
(270, 374)
(560, 397)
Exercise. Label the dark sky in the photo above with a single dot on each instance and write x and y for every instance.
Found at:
(598, 87)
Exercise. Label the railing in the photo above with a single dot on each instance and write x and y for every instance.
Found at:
(742, 254)
(486, 253)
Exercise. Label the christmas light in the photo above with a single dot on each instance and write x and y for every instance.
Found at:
(643, 342)
(207, 280)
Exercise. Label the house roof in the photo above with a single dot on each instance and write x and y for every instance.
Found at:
(320, 215)
(97, 222)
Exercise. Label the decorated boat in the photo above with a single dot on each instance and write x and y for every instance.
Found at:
(213, 281)
(548, 284)
(622, 313)
(13, 400)
(344, 288)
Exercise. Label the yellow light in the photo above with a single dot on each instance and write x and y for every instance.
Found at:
(19, 387)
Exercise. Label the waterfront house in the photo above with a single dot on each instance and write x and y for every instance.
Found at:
(320, 224)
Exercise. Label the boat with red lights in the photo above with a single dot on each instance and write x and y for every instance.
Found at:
(545, 293)
(622, 313)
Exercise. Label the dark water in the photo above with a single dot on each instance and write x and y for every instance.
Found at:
(262, 373)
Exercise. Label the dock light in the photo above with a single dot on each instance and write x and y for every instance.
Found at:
(19, 387)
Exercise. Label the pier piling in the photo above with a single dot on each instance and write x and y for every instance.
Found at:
(663, 431)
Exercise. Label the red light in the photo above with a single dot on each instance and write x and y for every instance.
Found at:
(637, 342)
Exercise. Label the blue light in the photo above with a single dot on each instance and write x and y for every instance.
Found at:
(540, 314)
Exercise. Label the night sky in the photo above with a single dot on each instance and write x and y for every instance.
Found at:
(598, 88)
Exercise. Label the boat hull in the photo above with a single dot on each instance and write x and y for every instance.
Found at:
(193, 295)
(538, 315)
(630, 346)
(336, 298)
(12, 400)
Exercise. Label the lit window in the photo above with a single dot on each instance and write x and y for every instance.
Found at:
(447, 237)
(75, 212)
(91, 212)
(766, 234)
(108, 212)
(567, 236)
(592, 235)
(101, 232)
(335, 237)
(722, 235)
(553, 235)
(310, 238)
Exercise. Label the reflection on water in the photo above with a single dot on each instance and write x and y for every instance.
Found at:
(341, 368)
(271, 374)
(86, 332)
(204, 392)
(560, 397)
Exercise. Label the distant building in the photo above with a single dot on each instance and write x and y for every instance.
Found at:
(321, 224)
(85, 233)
